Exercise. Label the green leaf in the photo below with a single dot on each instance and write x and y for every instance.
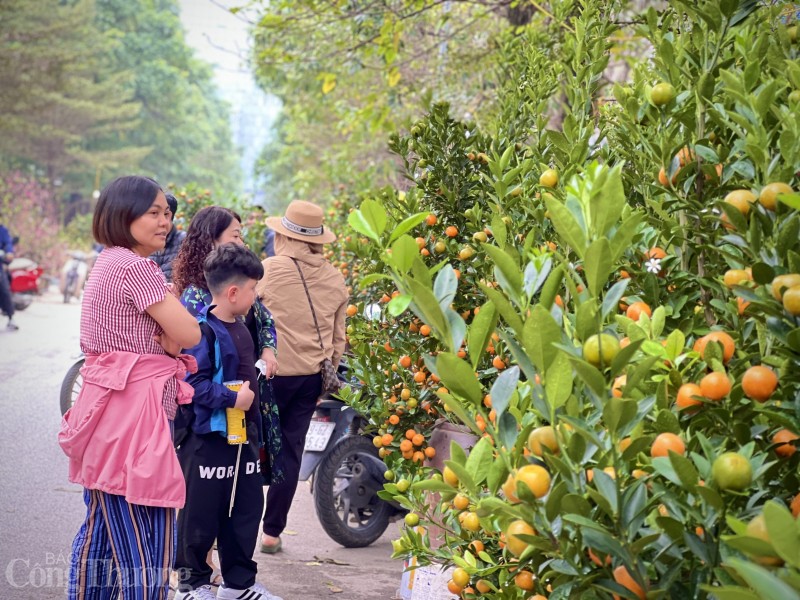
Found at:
(667, 421)
(404, 251)
(493, 506)
(499, 231)
(730, 593)
(507, 266)
(590, 375)
(458, 328)
(455, 405)
(375, 214)
(357, 221)
(368, 280)
(762, 581)
(460, 469)
(617, 413)
(607, 205)
(427, 307)
(640, 371)
(480, 331)
(503, 388)
(551, 287)
(784, 532)
(497, 476)
(507, 429)
(706, 153)
(432, 485)
(398, 304)
(407, 225)
(792, 200)
(457, 453)
(734, 216)
(658, 321)
(573, 504)
(504, 307)
(684, 469)
(664, 467)
(586, 319)
(539, 334)
(597, 265)
(552, 506)
(566, 225)
(763, 273)
(624, 234)
(480, 460)
(519, 355)
(613, 296)
(458, 377)
(606, 486)
(623, 358)
(634, 504)
(676, 343)
(558, 381)
(787, 236)
(711, 497)
(445, 285)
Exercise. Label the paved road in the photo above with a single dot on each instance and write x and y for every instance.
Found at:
(40, 510)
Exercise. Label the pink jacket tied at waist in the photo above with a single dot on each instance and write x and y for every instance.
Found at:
(117, 435)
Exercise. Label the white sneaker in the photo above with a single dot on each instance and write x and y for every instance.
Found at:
(204, 592)
(254, 592)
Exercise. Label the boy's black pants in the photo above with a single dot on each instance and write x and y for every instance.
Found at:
(208, 464)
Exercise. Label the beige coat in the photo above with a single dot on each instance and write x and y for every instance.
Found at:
(281, 291)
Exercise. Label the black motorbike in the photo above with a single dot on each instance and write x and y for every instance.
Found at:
(347, 476)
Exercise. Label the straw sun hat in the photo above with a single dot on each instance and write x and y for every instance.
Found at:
(302, 221)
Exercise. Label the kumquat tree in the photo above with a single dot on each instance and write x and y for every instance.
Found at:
(600, 281)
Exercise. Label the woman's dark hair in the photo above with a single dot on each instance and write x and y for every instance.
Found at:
(205, 228)
(122, 202)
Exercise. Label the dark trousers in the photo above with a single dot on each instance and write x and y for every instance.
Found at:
(208, 463)
(296, 397)
(6, 304)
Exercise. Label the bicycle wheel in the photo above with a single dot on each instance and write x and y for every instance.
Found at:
(71, 386)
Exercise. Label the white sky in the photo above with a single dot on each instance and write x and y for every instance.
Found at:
(222, 40)
(218, 37)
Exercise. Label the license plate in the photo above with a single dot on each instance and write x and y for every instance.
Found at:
(319, 432)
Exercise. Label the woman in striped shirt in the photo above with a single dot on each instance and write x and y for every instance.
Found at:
(118, 434)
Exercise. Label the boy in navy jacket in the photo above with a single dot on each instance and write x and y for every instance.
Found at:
(224, 497)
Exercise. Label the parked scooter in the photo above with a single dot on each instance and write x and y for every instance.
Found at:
(347, 476)
(73, 275)
(25, 280)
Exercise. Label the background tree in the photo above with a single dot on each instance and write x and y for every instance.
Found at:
(59, 91)
(183, 121)
(350, 73)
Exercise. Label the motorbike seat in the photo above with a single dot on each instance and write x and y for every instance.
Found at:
(330, 403)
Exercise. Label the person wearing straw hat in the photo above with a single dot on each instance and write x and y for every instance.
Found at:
(308, 299)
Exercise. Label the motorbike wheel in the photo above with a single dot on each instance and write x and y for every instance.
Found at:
(71, 386)
(351, 513)
(22, 301)
(69, 286)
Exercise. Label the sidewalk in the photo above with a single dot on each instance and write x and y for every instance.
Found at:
(313, 566)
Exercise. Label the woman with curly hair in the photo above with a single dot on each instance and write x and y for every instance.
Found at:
(210, 228)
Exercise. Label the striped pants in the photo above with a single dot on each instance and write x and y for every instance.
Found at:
(122, 550)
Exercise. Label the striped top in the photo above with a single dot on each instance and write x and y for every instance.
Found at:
(121, 286)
